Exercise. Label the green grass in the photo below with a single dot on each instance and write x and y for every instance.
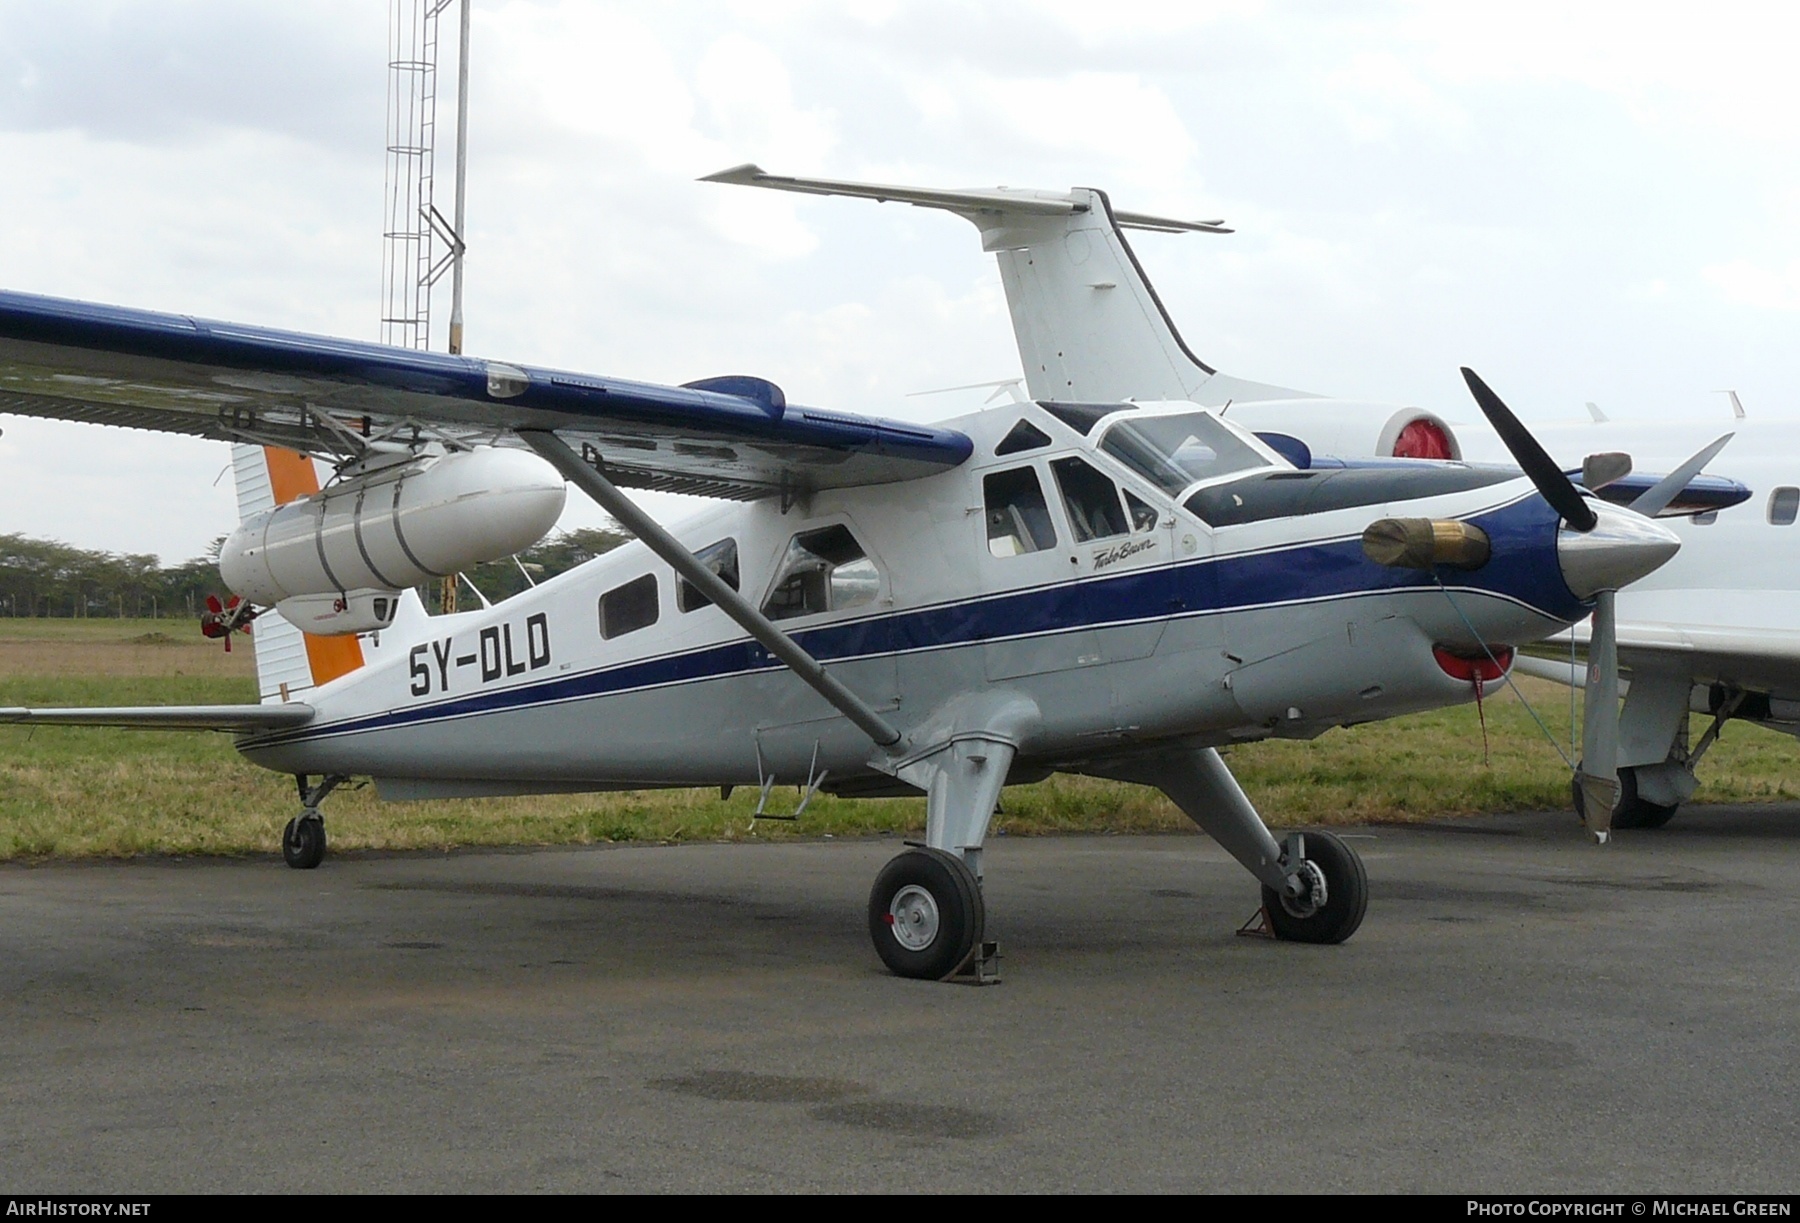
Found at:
(102, 792)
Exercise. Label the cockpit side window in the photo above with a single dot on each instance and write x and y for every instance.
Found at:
(823, 570)
(1018, 520)
(1091, 499)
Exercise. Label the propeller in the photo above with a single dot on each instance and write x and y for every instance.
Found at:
(1539, 467)
(1597, 774)
(220, 620)
(1665, 490)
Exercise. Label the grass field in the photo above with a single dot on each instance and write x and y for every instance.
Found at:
(75, 792)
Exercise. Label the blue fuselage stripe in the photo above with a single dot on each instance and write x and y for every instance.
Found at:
(1523, 570)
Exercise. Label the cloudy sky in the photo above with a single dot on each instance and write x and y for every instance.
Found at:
(1585, 202)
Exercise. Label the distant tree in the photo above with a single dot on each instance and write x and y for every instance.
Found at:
(44, 577)
(545, 559)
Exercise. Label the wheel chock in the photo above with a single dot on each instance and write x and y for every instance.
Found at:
(1258, 926)
(981, 968)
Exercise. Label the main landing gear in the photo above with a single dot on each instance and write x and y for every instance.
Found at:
(1314, 887)
(303, 840)
(926, 914)
(1634, 810)
(1332, 896)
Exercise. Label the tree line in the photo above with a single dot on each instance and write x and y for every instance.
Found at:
(47, 578)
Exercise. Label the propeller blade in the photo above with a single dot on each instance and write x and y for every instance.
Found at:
(1599, 773)
(1665, 490)
(1556, 487)
(213, 605)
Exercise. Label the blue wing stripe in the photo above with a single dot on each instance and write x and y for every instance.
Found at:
(553, 399)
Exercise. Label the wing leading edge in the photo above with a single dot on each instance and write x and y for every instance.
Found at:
(735, 437)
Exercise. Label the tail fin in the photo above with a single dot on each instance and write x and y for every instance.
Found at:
(288, 662)
(1089, 324)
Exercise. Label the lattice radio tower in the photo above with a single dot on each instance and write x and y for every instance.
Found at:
(415, 229)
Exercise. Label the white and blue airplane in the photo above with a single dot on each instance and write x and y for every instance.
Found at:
(1115, 579)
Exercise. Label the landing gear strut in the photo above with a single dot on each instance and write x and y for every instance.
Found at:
(1334, 892)
(1314, 889)
(1634, 810)
(303, 840)
(926, 914)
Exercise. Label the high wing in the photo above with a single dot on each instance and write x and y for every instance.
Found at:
(733, 437)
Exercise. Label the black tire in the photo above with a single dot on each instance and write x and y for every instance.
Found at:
(944, 901)
(1632, 811)
(1346, 896)
(303, 842)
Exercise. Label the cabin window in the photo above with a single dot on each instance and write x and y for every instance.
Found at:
(1091, 499)
(1018, 520)
(824, 570)
(1143, 515)
(1023, 436)
(722, 559)
(1784, 506)
(628, 608)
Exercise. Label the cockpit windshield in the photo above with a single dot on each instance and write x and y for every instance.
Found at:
(1177, 451)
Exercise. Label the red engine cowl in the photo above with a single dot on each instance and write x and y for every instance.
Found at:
(1350, 429)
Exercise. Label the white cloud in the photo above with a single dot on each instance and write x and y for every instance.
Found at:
(1414, 187)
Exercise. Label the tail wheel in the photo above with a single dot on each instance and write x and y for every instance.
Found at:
(925, 914)
(303, 842)
(1305, 919)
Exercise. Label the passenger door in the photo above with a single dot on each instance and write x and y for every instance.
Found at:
(1032, 615)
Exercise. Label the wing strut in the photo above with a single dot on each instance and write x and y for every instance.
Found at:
(759, 626)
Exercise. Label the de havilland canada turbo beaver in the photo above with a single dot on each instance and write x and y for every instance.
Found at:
(1115, 579)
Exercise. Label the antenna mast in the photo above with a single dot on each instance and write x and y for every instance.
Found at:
(411, 265)
(414, 227)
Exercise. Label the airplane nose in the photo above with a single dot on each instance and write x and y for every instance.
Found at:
(1621, 548)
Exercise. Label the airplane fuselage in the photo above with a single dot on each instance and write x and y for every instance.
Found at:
(611, 676)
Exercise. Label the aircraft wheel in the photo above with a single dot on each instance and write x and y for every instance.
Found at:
(1346, 896)
(1632, 811)
(925, 914)
(303, 842)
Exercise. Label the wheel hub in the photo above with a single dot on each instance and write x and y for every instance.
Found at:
(1313, 892)
(913, 917)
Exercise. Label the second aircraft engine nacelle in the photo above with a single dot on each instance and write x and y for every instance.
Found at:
(1349, 429)
(394, 528)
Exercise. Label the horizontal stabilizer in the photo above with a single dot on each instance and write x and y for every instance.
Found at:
(169, 717)
(995, 200)
(1089, 324)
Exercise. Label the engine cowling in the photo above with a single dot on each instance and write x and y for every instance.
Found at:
(394, 528)
(1351, 429)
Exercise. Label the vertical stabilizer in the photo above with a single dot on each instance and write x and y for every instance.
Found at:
(1089, 324)
(288, 662)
